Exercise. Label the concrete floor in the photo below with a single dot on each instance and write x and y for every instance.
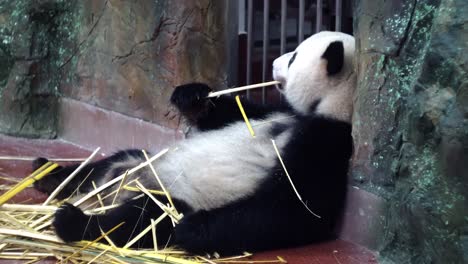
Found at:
(337, 251)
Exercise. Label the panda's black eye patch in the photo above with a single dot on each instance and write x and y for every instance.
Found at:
(292, 59)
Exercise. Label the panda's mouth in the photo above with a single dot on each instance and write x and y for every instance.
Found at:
(280, 87)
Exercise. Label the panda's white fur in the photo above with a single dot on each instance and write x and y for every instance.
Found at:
(234, 163)
(227, 181)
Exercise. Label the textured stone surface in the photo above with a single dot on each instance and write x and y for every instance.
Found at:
(133, 53)
(34, 41)
(124, 56)
(411, 125)
(91, 126)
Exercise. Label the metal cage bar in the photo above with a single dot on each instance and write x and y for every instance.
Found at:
(248, 76)
(318, 16)
(300, 30)
(284, 14)
(266, 40)
(338, 14)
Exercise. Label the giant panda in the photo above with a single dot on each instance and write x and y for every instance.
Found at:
(231, 187)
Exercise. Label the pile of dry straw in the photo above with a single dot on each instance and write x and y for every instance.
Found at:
(26, 232)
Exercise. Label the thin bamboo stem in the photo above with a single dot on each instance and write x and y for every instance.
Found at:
(290, 180)
(117, 179)
(70, 177)
(241, 88)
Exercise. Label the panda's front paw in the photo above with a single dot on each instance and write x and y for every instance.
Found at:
(190, 97)
(48, 183)
(37, 163)
(70, 223)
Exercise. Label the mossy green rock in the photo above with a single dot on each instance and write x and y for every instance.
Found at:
(411, 125)
(36, 39)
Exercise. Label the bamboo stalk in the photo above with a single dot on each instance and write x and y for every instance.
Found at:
(36, 175)
(290, 180)
(23, 233)
(117, 179)
(98, 256)
(145, 231)
(101, 209)
(249, 126)
(98, 195)
(28, 208)
(153, 233)
(70, 177)
(95, 240)
(159, 181)
(40, 220)
(27, 254)
(242, 88)
(120, 187)
(111, 243)
(135, 189)
(15, 222)
(169, 210)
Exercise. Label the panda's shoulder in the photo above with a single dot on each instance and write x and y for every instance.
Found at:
(321, 129)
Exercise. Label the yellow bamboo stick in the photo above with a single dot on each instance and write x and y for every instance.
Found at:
(35, 176)
(245, 116)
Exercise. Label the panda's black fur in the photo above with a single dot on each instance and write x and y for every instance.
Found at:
(316, 154)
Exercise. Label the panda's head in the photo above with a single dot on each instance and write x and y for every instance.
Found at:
(319, 75)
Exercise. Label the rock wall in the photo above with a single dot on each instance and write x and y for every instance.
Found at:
(124, 56)
(133, 53)
(34, 36)
(411, 125)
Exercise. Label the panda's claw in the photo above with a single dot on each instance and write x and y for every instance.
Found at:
(37, 163)
(70, 223)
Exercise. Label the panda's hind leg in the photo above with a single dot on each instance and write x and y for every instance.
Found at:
(253, 224)
(90, 173)
(71, 224)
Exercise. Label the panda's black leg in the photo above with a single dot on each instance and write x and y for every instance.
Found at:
(248, 225)
(71, 224)
(91, 172)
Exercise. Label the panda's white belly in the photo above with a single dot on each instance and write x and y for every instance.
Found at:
(214, 168)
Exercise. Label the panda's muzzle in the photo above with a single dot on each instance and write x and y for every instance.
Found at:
(279, 87)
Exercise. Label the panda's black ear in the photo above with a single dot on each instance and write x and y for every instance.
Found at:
(335, 57)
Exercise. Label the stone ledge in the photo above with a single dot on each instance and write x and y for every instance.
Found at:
(362, 221)
(91, 127)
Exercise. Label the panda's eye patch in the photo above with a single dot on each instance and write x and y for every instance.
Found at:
(292, 59)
